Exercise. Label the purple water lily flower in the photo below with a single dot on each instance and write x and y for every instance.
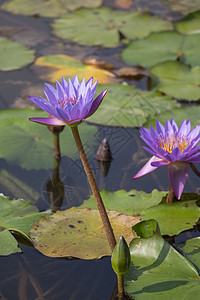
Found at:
(173, 147)
(70, 103)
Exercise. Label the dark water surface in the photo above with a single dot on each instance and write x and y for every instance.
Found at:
(31, 275)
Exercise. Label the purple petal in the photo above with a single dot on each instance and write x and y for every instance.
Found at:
(160, 128)
(178, 174)
(48, 121)
(96, 103)
(147, 167)
(160, 163)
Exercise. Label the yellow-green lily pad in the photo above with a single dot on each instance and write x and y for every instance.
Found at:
(79, 233)
(54, 67)
(190, 24)
(13, 55)
(105, 26)
(50, 8)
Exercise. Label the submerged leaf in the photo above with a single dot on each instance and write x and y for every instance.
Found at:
(79, 233)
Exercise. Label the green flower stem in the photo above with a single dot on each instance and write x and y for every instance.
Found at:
(170, 196)
(94, 188)
(120, 284)
(56, 145)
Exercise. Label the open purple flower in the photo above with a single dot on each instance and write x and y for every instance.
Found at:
(173, 147)
(70, 103)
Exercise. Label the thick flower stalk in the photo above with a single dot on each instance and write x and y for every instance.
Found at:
(174, 147)
(70, 103)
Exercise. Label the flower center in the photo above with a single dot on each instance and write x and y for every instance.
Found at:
(62, 102)
(169, 143)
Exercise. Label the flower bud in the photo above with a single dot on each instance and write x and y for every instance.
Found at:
(121, 259)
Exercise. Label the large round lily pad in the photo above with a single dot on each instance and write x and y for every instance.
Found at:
(30, 145)
(172, 218)
(103, 26)
(178, 114)
(54, 67)
(158, 271)
(50, 8)
(125, 106)
(191, 249)
(184, 6)
(15, 216)
(14, 55)
(177, 80)
(190, 24)
(79, 233)
(160, 47)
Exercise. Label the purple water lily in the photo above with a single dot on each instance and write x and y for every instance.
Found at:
(174, 147)
(70, 103)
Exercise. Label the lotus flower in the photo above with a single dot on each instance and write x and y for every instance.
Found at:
(70, 103)
(173, 147)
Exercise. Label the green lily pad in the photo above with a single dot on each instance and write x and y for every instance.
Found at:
(50, 8)
(146, 229)
(190, 24)
(173, 218)
(177, 80)
(158, 271)
(184, 6)
(130, 203)
(178, 114)
(79, 233)
(13, 55)
(16, 216)
(191, 249)
(30, 145)
(54, 67)
(103, 26)
(160, 47)
(125, 106)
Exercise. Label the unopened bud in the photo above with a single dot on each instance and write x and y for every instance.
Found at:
(121, 258)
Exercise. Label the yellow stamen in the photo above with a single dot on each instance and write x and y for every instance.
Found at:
(173, 142)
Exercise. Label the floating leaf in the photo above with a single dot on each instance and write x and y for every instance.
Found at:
(130, 203)
(103, 26)
(146, 229)
(173, 218)
(190, 24)
(184, 6)
(158, 271)
(177, 80)
(54, 67)
(178, 114)
(191, 249)
(14, 55)
(125, 106)
(50, 8)
(160, 47)
(79, 233)
(15, 216)
(30, 145)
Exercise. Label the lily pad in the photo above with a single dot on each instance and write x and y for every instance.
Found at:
(184, 6)
(158, 271)
(190, 24)
(104, 26)
(30, 145)
(126, 106)
(191, 249)
(160, 47)
(79, 233)
(50, 8)
(13, 55)
(15, 216)
(54, 67)
(172, 219)
(178, 114)
(177, 80)
(130, 203)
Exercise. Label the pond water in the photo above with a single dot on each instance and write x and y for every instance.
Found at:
(31, 275)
